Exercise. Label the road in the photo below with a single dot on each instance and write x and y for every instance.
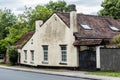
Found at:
(7, 74)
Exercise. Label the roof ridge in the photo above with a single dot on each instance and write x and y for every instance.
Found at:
(103, 17)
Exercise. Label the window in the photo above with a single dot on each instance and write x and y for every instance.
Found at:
(86, 26)
(63, 53)
(32, 55)
(25, 52)
(114, 28)
(1, 56)
(45, 53)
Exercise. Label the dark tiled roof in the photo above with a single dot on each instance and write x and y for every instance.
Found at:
(99, 25)
(24, 38)
(100, 28)
(65, 18)
(87, 42)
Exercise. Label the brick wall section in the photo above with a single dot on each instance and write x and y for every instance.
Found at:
(110, 59)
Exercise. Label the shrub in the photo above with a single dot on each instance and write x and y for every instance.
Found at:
(13, 55)
(116, 40)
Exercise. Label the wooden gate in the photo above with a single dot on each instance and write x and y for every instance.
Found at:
(87, 60)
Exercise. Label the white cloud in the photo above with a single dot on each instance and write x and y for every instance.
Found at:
(83, 6)
(87, 10)
(34, 2)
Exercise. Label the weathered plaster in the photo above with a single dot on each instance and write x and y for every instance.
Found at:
(54, 32)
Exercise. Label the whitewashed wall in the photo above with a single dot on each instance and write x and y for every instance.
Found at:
(53, 33)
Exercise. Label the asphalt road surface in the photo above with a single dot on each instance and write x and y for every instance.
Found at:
(7, 74)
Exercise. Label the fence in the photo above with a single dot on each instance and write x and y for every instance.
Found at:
(110, 59)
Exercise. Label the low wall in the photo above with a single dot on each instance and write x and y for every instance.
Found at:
(110, 59)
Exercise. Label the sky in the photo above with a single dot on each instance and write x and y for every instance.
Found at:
(83, 6)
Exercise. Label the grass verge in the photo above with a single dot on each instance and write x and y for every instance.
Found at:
(105, 73)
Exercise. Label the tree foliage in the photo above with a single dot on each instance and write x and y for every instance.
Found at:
(13, 55)
(39, 13)
(60, 6)
(111, 8)
(15, 32)
(6, 19)
(31, 15)
(12, 27)
(116, 40)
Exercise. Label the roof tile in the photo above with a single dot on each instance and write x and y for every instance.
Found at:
(100, 25)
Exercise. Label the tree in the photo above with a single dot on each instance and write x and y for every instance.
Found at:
(31, 15)
(58, 6)
(6, 19)
(39, 13)
(12, 28)
(15, 32)
(111, 8)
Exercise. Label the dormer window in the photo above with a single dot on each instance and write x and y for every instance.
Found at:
(85, 26)
(114, 28)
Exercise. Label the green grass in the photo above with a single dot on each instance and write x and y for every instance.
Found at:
(105, 73)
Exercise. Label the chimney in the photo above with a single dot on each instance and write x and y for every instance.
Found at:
(72, 7)
(38, 24)
(73, 21)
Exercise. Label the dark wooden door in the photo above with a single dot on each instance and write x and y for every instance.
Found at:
(87, 59)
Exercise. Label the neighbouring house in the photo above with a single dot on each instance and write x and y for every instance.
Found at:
(67, 40)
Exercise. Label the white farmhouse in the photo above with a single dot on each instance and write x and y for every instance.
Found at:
(67, 40)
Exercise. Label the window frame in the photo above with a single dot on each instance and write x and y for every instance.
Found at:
(32, 55)
(114, 28)
(25, 55)
(45, 53)
(86, 27)
(63, 49)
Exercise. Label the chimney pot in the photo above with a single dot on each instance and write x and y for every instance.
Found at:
(72, 7)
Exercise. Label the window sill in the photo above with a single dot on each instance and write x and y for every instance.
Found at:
(32, 62)
(63, 63)
(44, 62)
(25, 61)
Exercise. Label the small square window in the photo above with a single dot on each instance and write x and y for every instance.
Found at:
(85, 26)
